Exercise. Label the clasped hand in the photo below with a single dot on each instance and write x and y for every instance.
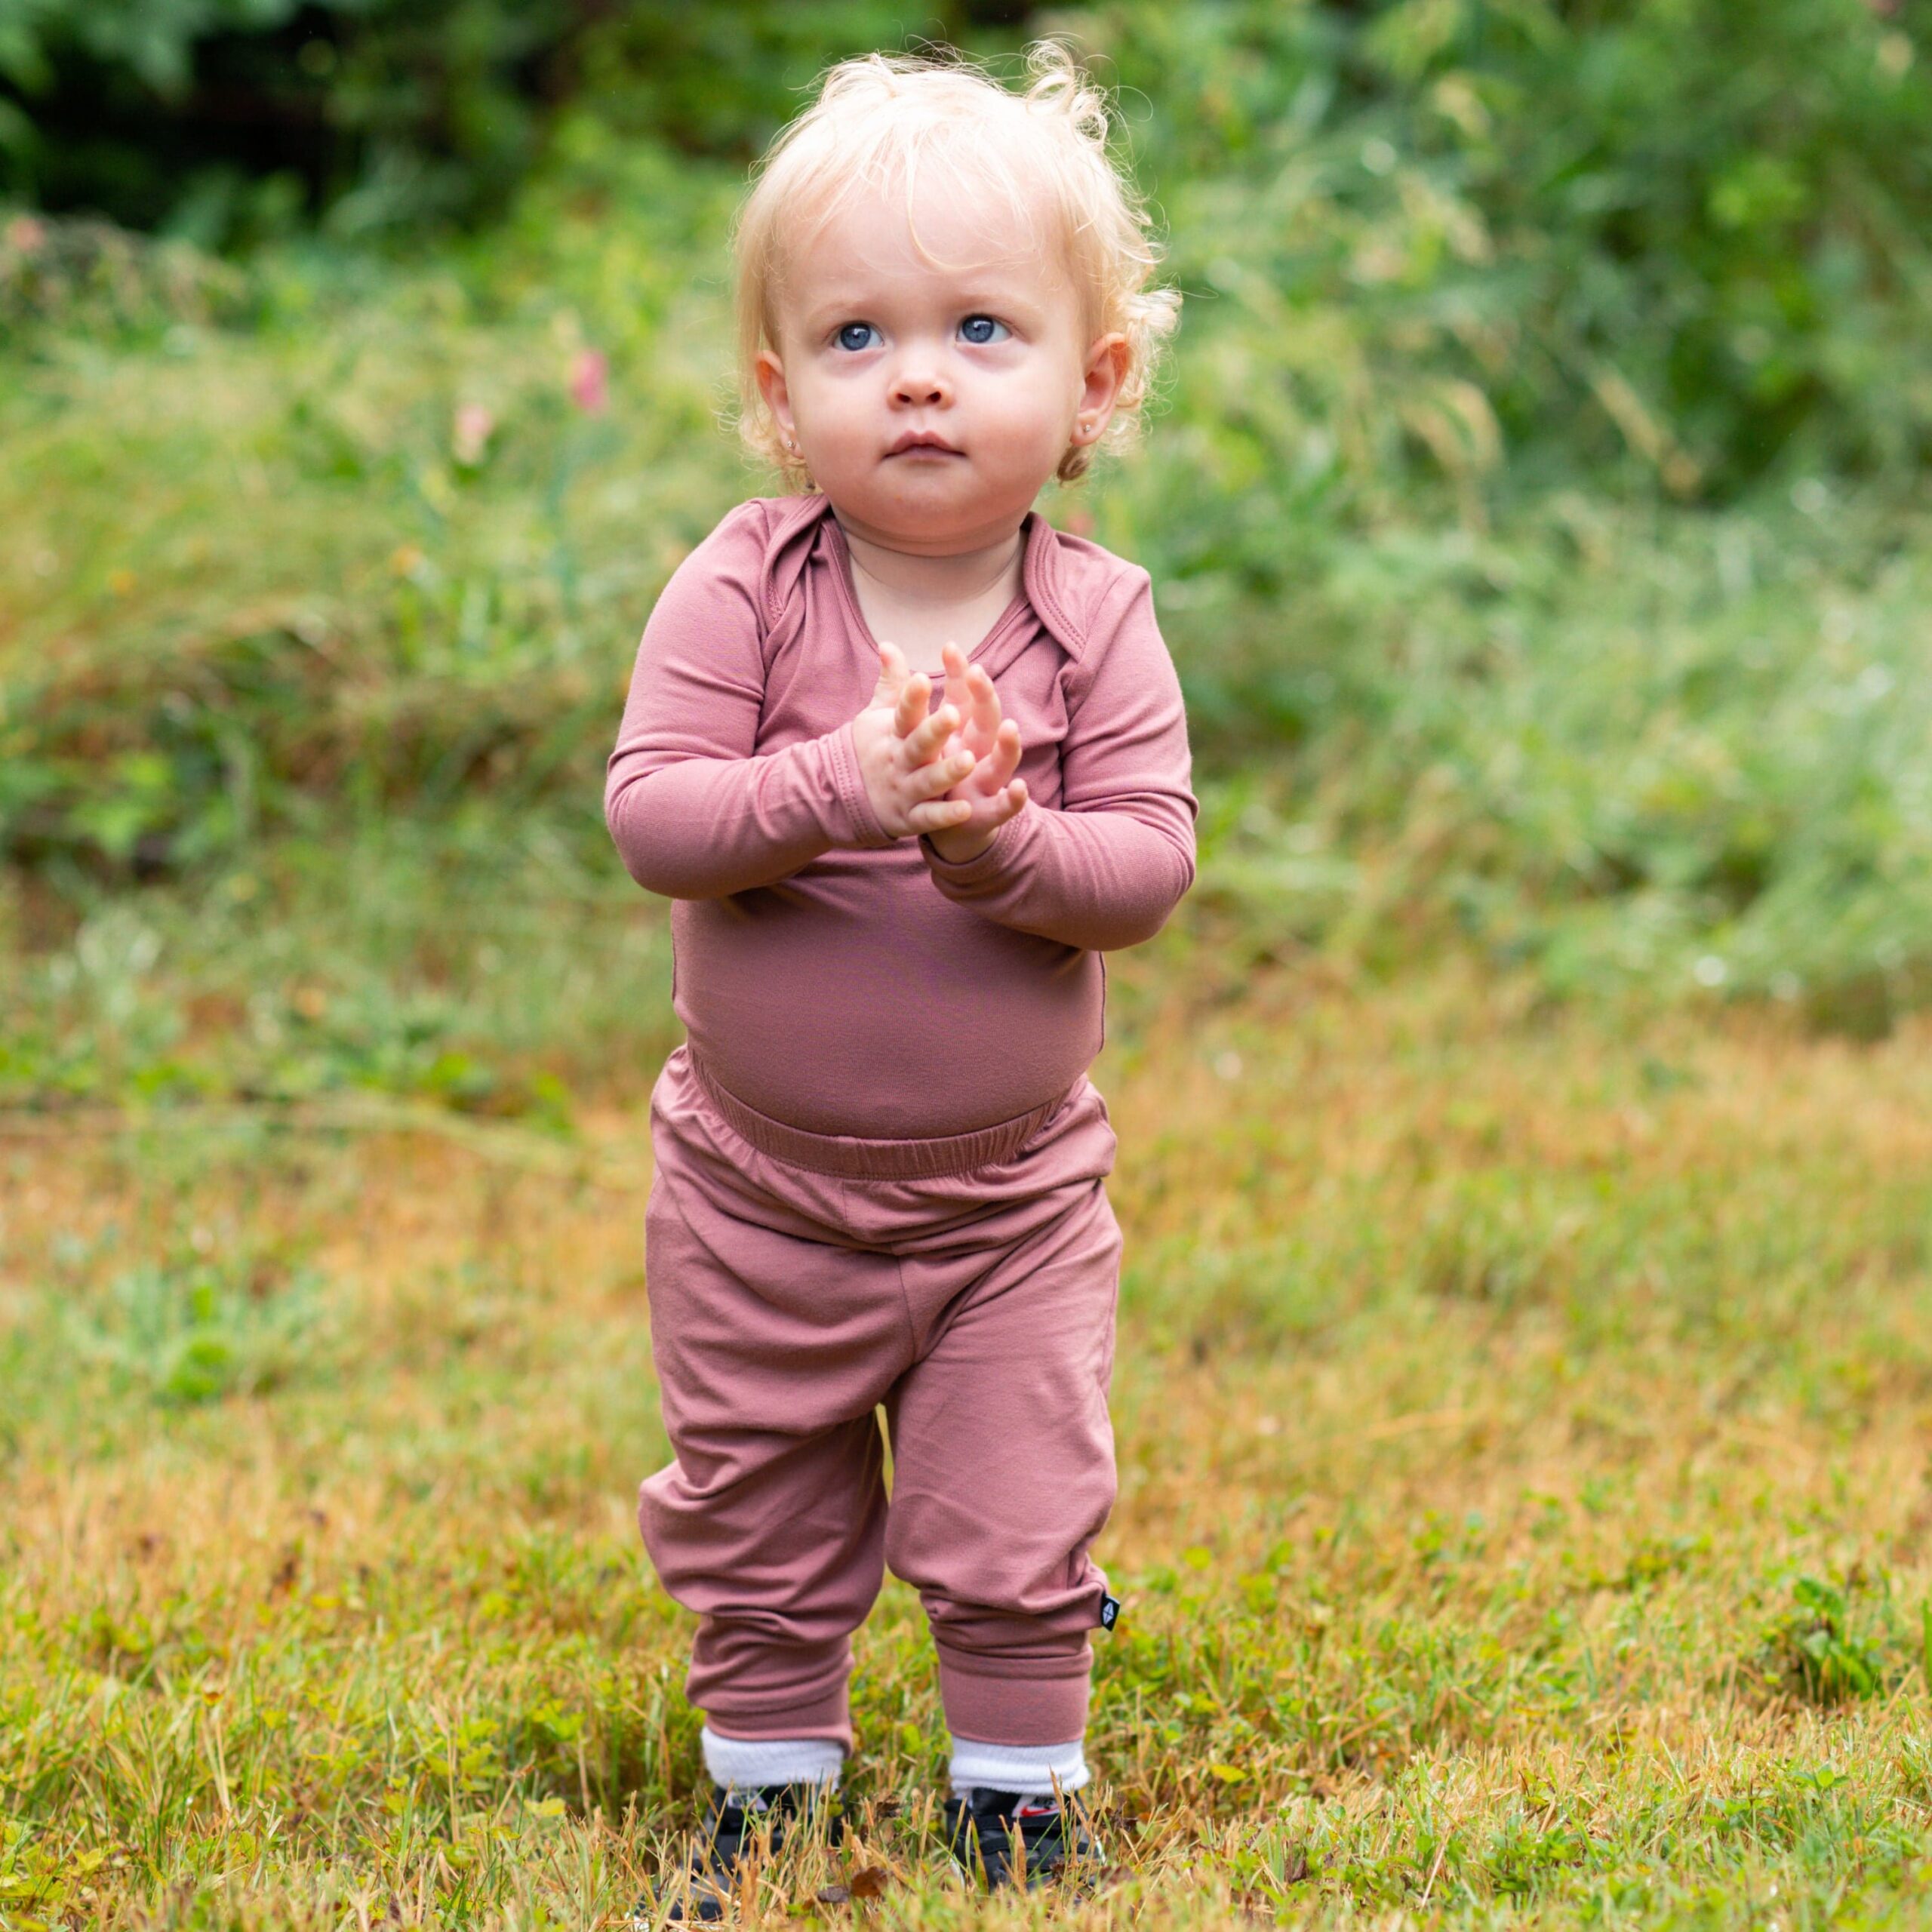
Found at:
(948, 773)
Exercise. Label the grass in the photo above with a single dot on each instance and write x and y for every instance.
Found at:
(1522, 1520)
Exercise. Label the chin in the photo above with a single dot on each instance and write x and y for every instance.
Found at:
(961, 493)
(948, 500)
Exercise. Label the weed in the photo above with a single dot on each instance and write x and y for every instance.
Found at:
(192, 1334)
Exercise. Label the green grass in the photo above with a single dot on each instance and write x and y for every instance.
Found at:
(1522, 1513)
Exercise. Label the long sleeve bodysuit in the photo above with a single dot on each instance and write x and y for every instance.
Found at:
(803, 936)
(849, 1211)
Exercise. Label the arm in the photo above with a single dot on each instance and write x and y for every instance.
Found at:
(695, 810)
(1105, 869)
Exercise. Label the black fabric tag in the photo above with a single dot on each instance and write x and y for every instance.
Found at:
(1109, 1612)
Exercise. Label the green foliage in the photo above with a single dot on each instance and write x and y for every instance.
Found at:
(155, 40)
(1600, 743)
(190, 1335)
(1532, 507)
(224, 118)
(1691, 239)
(1814, 1649)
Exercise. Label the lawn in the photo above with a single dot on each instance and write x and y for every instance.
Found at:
(1521, 1415)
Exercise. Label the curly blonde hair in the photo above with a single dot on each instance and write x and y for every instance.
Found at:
(873, 123)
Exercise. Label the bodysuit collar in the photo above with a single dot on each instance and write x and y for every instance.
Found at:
(795, 533)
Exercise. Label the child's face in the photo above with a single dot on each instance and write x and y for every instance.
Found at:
(933, 402)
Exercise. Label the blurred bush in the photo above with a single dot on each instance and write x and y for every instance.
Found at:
(1535, 507)
(1682, 233)
(229, 119)
(89, 274)
(1678, 234)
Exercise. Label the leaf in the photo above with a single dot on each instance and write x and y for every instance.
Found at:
(871, 1883)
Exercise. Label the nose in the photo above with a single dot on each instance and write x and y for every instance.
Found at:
(919, 383)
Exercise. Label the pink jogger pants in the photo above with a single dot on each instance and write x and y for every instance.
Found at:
(798, 1280)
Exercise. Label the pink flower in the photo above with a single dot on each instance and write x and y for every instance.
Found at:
(26, 234)
(590, 381)
(470, 437)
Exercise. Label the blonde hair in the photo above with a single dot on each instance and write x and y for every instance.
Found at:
(875, 120)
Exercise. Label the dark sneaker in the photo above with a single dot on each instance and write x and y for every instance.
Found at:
(762, 1819)
(1013, 1840)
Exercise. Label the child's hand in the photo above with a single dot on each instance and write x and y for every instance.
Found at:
(989, 788)
(903, 756)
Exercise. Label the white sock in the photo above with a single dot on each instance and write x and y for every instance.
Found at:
(1033, 1771)
(742, 1763)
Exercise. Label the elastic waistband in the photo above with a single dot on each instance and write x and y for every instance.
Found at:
(859, 1158)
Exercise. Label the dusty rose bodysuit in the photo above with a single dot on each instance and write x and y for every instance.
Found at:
(881, 1164)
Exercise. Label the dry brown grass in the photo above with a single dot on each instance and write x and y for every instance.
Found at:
(1490, 1379)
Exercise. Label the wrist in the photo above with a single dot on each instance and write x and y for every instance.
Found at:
(865, 826)
(963, 847)
(959, 848)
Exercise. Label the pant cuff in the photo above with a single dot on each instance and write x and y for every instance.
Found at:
(992, 1708)
(827, 1716)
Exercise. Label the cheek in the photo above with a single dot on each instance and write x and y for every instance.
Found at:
(1033, 412)
(830, 411)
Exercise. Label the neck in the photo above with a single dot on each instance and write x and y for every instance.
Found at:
(955, 578)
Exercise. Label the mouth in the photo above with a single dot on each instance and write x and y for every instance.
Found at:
(923, 442)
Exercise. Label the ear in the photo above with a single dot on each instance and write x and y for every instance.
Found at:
(771, 373)
(1106, 370)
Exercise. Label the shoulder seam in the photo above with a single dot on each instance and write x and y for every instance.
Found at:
(785, 520)
(1076, 628)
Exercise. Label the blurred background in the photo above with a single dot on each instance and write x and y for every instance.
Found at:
(1536, 502)
(1527, 1318)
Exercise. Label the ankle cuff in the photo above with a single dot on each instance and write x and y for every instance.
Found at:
(1009, 1702)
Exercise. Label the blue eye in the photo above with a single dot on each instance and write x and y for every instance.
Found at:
(856, 336)
(983, 329)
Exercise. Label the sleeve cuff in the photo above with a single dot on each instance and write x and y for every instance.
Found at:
(851, 784)
(989, 865)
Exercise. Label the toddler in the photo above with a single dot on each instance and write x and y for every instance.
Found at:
(880, 1163)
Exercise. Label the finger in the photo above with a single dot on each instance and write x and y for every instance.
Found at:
(924, 741)
(1009, 802)
(958, 686)
(985, 711)
(912, 701)
(1005, 755)
(937, 815)
(891, 674)
(1000, 763)
(928, 781)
